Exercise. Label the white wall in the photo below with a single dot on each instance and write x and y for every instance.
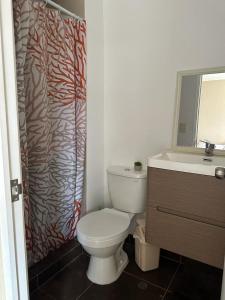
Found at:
(95, 104)
(2, 283)
(146, 42)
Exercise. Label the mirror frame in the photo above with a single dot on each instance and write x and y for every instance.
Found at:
(180, 74)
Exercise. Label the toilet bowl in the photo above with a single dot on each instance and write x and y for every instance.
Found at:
(102, 235)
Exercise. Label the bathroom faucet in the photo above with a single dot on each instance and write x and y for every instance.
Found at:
(209, 147)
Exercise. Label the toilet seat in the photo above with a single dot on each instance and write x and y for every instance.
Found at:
(103, 228)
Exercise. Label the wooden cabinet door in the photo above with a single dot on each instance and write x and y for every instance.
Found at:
(190, 238)
(192, 194)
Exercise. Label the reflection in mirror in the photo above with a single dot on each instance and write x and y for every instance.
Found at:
(202, 110)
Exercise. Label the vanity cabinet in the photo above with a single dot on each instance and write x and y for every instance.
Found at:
(186, 214)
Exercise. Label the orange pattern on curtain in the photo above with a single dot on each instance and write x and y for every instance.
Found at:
(51, 79)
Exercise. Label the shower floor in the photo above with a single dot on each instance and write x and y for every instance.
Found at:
(177, 278)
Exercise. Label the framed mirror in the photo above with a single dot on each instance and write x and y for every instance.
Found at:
(200, 110)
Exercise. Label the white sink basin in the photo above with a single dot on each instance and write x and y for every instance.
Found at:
(183, 162)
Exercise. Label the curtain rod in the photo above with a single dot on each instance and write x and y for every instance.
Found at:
(62, 9)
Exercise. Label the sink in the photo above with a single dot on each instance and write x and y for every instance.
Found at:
(187, 162)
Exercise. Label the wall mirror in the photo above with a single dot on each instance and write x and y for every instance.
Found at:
(200, 109)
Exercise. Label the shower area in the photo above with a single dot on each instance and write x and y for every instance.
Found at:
(50, 45)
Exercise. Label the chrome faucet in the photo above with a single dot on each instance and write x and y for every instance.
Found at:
(209, 147)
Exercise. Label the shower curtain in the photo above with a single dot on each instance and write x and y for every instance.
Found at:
(51, 79)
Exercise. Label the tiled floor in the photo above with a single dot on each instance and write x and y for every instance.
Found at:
(42, 271)
(176, 279)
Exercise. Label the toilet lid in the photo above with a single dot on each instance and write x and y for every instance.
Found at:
(102, 226)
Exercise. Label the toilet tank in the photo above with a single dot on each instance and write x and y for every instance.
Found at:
(127, 189)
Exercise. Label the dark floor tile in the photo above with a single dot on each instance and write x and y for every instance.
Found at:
(170, 255)
(51, 258)
(175, 296)
(160, 276)
(33, 284)
(70, 282)
(71, 255)
(126, 287)
(47, 274)
(197, 281)
(39, 295)
(129, 249)
(129, 239)
(69, 245)
(58, 265)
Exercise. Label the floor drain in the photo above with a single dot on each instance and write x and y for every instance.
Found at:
(142, 285)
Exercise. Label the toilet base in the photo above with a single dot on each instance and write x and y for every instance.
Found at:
(105, 270)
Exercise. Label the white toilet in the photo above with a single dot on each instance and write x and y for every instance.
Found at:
(102, 233)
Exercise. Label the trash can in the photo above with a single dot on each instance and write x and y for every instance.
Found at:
(146, 255)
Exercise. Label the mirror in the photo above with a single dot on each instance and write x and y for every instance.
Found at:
(200, 109)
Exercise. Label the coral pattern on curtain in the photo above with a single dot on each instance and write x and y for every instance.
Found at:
(51, 76)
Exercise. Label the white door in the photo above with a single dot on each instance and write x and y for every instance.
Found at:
(12, 233)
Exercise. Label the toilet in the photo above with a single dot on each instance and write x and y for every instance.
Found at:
(102, 233)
